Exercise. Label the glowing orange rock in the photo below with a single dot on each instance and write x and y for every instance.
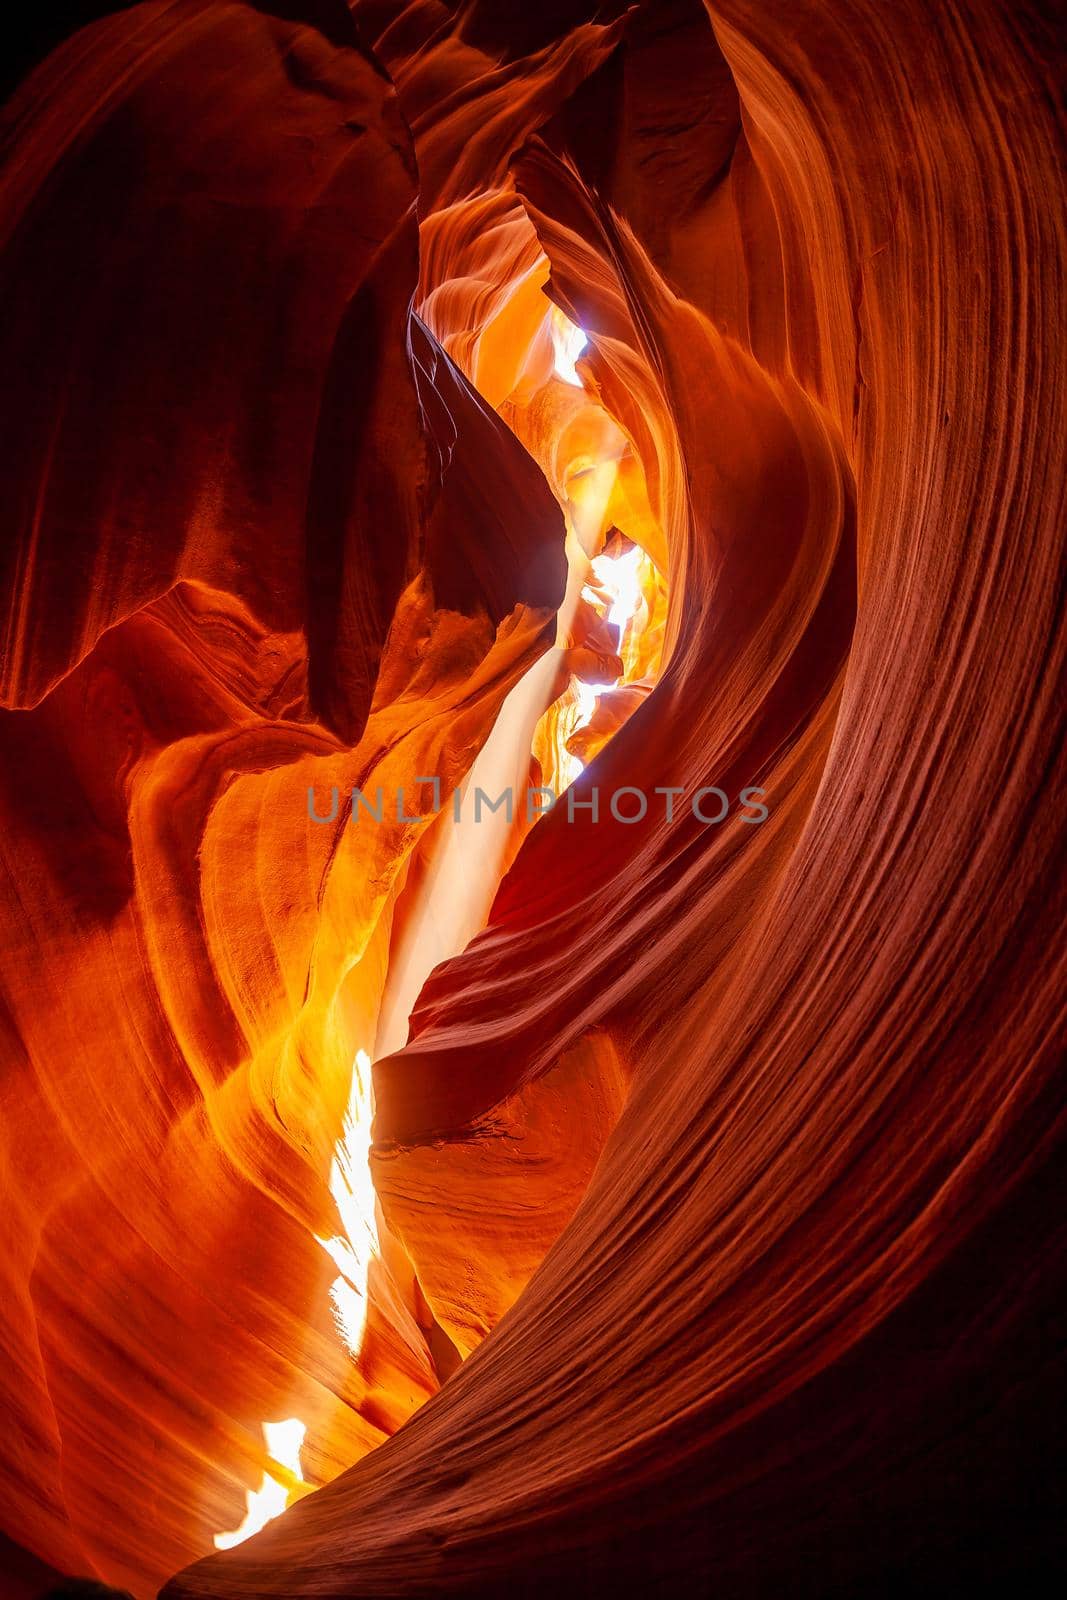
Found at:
(712, 1239)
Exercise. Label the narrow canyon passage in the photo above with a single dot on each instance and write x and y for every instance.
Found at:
(532, 800)
(609, 631)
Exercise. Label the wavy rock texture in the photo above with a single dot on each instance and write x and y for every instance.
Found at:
(714, 1243)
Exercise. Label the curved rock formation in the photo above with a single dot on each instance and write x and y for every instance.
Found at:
(425, 400)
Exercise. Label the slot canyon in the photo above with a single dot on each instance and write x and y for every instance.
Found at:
(533, 800)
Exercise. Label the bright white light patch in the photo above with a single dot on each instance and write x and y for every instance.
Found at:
(283, 1440)
(352, 1188)
(568, 342)
(620, 576)
(586, 695)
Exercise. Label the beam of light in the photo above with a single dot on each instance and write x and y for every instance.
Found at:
(352, 1189)
(283, 1441)
(568, 342)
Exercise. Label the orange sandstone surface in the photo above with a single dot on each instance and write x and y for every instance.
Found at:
(451, 399)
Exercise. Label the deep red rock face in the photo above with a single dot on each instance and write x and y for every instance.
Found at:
(562, 400)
